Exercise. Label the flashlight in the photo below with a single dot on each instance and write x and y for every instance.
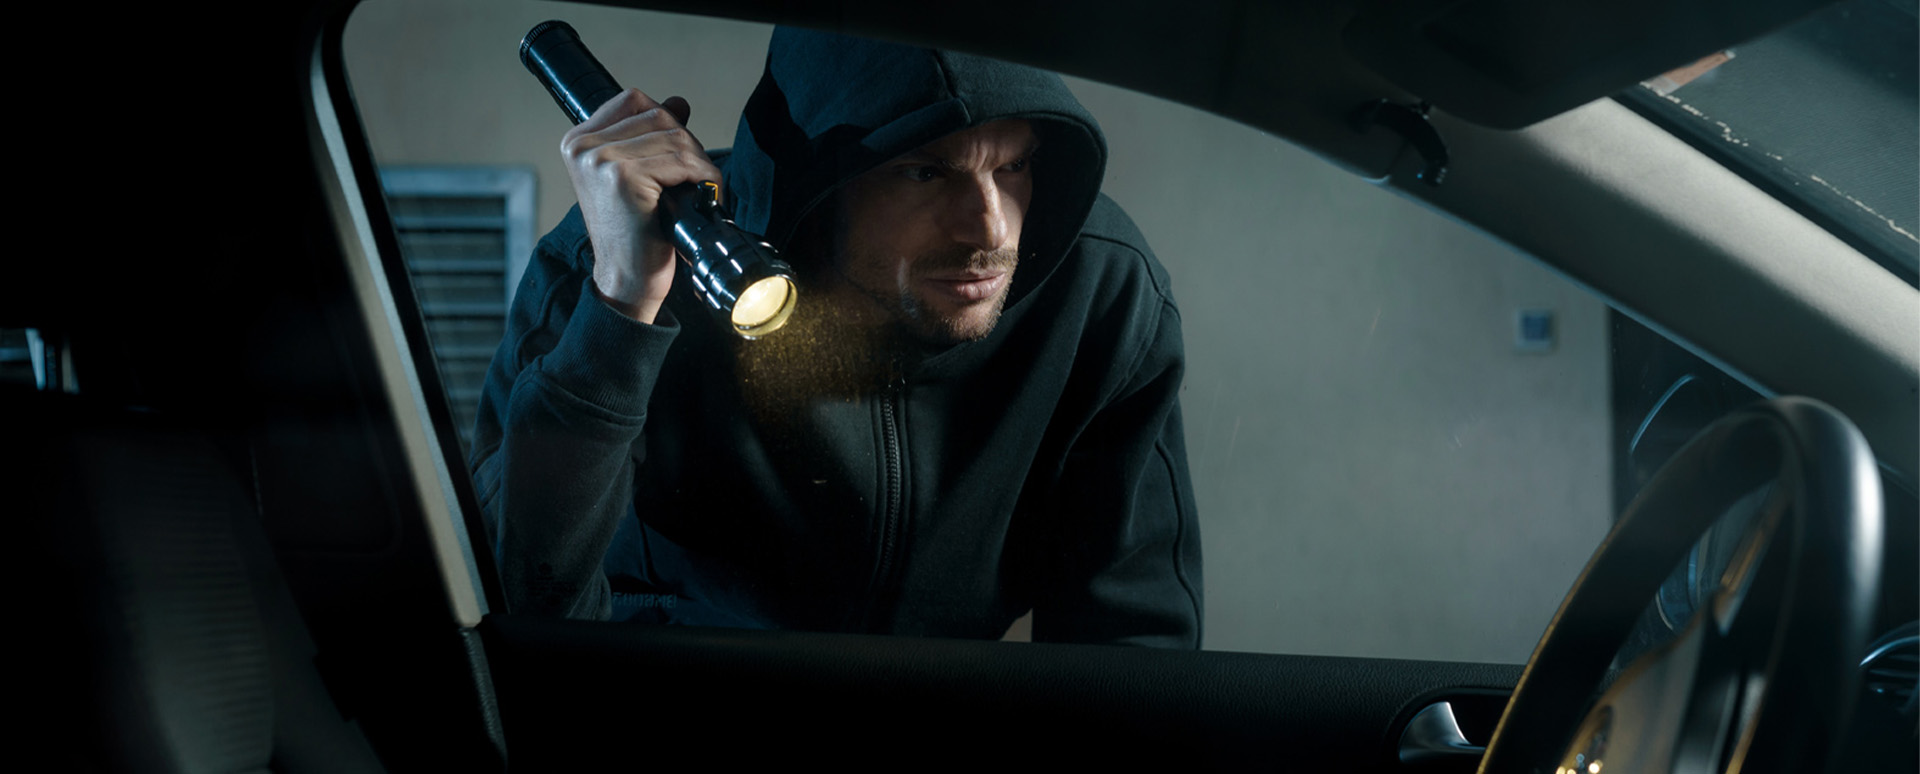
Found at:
(735, 273)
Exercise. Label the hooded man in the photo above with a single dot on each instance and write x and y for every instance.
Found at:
(973, 413)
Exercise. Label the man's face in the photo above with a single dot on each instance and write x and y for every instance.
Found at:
(933, 236)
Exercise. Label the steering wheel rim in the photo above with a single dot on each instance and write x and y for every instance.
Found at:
(1821, 556)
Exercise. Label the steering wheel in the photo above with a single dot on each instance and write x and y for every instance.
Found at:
(1763, 676)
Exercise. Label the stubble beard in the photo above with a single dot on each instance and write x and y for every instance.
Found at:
(927, 324)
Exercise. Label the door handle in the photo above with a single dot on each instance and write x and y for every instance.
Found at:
(1434, 735)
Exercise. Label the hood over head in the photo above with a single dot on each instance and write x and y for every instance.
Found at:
(830, 107)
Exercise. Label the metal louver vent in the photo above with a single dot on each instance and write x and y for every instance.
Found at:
(465, 234)
(1892, 667)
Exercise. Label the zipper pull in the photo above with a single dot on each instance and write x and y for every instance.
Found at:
(896, 376)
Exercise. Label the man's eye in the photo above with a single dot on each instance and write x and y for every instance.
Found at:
(1018, 166)
(923, 173)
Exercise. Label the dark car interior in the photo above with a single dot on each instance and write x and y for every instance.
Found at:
(247, 502)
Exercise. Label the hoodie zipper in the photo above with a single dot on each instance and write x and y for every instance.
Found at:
(894, 511)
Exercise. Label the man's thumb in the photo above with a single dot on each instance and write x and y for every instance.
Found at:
(679, 108)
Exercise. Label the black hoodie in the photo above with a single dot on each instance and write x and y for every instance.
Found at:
(818, 480)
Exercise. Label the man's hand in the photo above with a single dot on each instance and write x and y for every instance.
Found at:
(620, 159)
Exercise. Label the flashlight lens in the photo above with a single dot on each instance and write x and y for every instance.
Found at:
(764, 307)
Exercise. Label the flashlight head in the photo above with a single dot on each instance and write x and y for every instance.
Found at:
(764, 306)
(743, 281)
(738, 276)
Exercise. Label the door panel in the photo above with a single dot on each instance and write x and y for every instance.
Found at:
(576, 694)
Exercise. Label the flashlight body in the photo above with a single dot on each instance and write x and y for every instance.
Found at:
(577, 81)
(725, 259)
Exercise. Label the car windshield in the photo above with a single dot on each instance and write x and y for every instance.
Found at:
(1822, 115)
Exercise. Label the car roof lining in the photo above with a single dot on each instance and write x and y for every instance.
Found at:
(1630, 201)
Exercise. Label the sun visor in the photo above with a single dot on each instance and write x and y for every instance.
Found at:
(1509, 63)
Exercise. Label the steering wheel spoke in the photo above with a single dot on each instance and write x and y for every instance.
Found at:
(1638, 721)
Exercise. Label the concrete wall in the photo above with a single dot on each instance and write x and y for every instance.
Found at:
(1379, 471)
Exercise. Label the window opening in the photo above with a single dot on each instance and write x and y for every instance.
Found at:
(465, 234)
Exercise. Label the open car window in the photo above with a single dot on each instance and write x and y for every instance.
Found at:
(1405, 438)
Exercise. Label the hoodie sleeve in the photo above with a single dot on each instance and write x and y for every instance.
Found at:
(1127, 548)
(559, 427)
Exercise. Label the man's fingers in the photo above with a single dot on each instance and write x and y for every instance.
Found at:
(657, 121)
(627, 103)
(682, 112)
(679, 108)
(614, 123)
(665, 164)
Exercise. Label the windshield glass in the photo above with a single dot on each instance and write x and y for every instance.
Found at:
(1822, 115)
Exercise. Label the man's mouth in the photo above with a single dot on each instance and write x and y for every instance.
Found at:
(970, 286)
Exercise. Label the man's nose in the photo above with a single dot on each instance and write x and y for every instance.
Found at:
(978, 214)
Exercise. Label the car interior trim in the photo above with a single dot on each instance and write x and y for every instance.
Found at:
(426, 465)
(1733, 258)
